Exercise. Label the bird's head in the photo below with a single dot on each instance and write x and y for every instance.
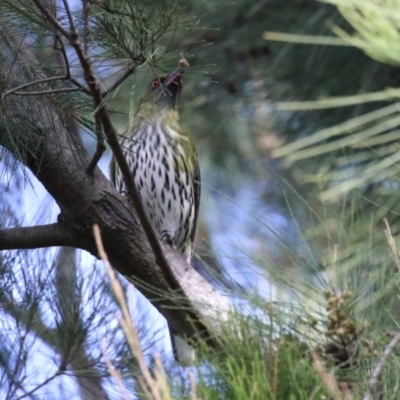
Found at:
(162, 94)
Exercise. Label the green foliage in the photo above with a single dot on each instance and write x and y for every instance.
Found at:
(131, 30)
(376, 25)
(259, 361)
(353, 166)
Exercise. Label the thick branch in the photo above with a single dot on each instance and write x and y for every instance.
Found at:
(34, 237)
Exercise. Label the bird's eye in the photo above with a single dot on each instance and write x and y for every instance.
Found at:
(155, 84)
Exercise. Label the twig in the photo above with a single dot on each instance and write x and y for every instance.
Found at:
(64, 54)
(25, 85)
(100, 148)
(379, 367)
(45, 382)
(50, 91)
(113, 372)
(86, 14)
(84, 89)
(72, 25)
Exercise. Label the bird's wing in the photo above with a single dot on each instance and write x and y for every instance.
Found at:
(197, 193)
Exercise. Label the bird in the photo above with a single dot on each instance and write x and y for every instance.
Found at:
(166, 173)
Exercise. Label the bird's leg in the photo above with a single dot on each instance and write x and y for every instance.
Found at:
(167, 237)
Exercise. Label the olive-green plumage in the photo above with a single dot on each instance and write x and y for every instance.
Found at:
(164, 164)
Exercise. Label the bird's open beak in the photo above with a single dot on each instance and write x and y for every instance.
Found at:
(175, 77)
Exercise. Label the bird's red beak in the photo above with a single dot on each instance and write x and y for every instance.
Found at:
(175, 77)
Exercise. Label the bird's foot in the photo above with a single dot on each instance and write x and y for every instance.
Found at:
(168, 238)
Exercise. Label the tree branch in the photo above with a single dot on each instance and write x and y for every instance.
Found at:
(373, 381)
(72, 25)
(86, 18)
(50, 91)
(34, 237)
(25, 85)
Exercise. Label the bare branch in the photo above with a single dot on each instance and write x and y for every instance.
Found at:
(86, 15)
(379, 367)
(64, 54)
(25, 85)
(70, 18)
(84, 89)
(50, 91)
(34, 237)
(37, 387)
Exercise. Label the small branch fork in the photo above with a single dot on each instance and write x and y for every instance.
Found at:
(94, 86)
